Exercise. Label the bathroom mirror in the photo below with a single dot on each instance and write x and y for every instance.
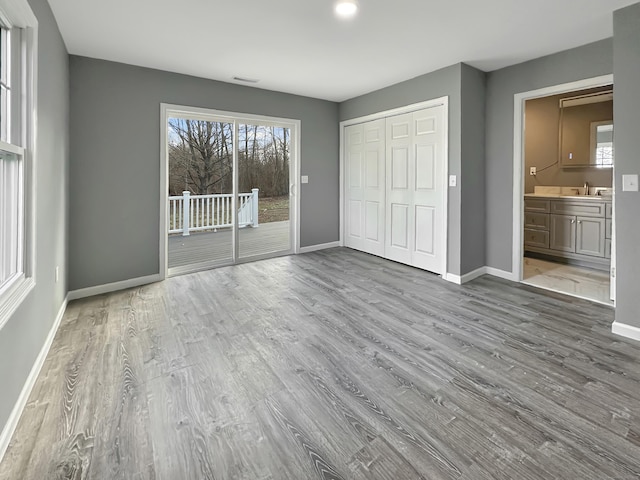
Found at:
(586, 130)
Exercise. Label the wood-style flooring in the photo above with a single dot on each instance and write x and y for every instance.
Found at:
(332, 365)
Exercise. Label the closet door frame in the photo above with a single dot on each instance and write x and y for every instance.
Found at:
(444, 101)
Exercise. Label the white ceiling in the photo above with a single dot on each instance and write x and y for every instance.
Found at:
(299, 46)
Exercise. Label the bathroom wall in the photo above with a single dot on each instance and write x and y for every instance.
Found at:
(542, 120)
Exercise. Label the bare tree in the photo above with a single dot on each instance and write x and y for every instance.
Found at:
(200, 156)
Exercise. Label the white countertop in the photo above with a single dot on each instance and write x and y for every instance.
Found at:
(568, 197)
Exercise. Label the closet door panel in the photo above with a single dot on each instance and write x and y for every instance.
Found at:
(428, 192)
(400, 168)
(354, 149)
(374, 188)
(365, 183)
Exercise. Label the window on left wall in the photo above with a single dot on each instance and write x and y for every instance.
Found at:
(18, 32)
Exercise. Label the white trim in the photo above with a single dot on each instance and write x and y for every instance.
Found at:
(444, 101)
(22, 16)
(478, 272)
(624, 330)
(14, 417)
(170, 110)
(164, 191)
(467, 277)
(295, 189)
(518, 158)
(450, 277)
(114, 287)
(496, 272)
(434, 102)
(13, 297)
(18, 13)
(321, 246)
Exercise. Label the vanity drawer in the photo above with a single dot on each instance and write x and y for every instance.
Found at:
(536, 238)
(608, 228)
(539, 221)
(536, 205)
(585, 209)
(609, 210)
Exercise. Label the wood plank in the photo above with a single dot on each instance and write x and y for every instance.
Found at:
(334, 364)
(216, 247)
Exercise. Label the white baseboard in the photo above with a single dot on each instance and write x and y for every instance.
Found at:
(467, 277)
(450, 277)
(628, 331)
(323, 246)
(12, 422)
(496, 272)
(114, 287)
(478, 272)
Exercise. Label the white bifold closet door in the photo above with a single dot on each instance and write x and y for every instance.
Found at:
(365, 172)
(395, 188)
(414, 189)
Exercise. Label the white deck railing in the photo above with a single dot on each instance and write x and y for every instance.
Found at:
(196, 213)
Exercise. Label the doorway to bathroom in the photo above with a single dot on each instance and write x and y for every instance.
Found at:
(563, 189)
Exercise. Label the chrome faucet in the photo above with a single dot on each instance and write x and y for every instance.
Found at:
(586, 188)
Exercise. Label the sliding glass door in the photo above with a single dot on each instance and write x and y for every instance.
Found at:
(201, 220)
(228, 192)
(264, 217)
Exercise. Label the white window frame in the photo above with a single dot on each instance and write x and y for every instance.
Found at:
(20, 139)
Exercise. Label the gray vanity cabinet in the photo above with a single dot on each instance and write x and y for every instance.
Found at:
(568, 228)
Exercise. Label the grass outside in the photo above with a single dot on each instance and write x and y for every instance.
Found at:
(273, 209)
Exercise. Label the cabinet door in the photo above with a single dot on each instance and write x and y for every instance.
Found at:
(563, 233)
(590, 236)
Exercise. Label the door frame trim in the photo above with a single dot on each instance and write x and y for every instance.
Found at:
(517, 260)
(167, 110)
(441, 101)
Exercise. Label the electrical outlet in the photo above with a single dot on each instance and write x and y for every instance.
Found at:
(57, 274)
(533, 171)
(453, 181)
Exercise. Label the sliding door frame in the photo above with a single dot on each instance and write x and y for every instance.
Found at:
(168, 111)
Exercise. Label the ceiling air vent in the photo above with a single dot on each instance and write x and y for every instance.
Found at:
(246, 80)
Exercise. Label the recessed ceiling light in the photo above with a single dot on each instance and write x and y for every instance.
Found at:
(346, 8)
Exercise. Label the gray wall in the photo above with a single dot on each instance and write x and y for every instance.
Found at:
(445, 82)
(465, 87)
(542, 119)
(472, 181)
(24, 334)
(579, 63)
(626, 54)
(115, 162)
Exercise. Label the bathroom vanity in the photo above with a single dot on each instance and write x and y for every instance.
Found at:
(571, 228)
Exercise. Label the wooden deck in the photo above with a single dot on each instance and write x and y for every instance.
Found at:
(216, 247)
